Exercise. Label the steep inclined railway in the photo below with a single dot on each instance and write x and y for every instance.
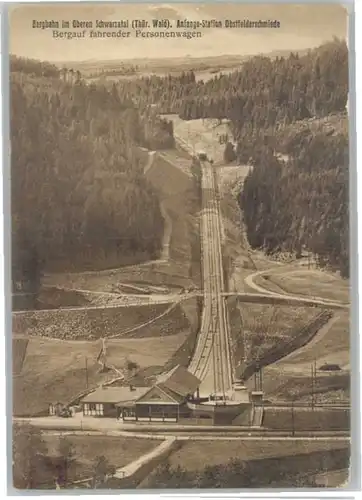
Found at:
(211, 360)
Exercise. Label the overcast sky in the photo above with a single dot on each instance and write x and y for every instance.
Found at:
(302, 26)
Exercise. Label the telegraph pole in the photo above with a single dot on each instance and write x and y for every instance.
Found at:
(244, 338)
(313, 385)
(293, 423)
(256, 376)
(86, 372)
(261, 379)
(315, 380)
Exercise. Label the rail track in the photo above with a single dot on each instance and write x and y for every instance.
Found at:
(211, 361)
(197, 432)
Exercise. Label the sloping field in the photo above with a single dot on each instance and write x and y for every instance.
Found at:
(55, 370)
(95, 323)
(307, 419)
(192, 455)
(201, 135)
(331, 347)
(287, 385)
(170, 175)
(52, 298)
(307, 282)
(181, 234)
(159, 273)
(119, 451)
(256, 328)
(292, 374)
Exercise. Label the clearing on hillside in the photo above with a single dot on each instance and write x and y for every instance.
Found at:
(59, 370)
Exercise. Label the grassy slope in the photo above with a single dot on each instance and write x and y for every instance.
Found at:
(307, 283)
(292, 375)
(285, 385)
(54, 370)
(192, 454)
(305, 419)
(332, 347)
(118, 450)
(259, 328)
(173, 278)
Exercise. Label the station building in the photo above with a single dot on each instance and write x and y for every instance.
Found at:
(103, 401)
(165, 401)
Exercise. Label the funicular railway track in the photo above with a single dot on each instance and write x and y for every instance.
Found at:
(211, 361)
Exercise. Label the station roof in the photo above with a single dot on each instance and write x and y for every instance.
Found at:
(115, 394)
(179, 380)
(175, 385)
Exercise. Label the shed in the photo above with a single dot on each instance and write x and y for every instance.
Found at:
(55, 409)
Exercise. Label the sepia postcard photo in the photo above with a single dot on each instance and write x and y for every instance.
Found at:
(179, 246)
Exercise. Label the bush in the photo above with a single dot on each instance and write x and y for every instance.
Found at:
(229, 153)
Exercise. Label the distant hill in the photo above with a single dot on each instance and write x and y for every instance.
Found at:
(186, 63)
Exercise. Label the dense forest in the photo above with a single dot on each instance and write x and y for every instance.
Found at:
(262, 93)
(33, 67)
(78, 190)
(300, 203)
(235, 473)
(77, 167)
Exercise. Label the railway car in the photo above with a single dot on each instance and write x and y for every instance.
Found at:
(202, 156)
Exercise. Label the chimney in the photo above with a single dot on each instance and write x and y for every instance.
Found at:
(131, 388)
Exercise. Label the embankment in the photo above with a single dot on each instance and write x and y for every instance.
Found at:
(90, 324)
(326, 419)
(302, 338)
(170, 176)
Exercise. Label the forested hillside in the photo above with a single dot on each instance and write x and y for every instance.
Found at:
(33, 67)
(78, 190)
(301, 202)
(261, 93)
